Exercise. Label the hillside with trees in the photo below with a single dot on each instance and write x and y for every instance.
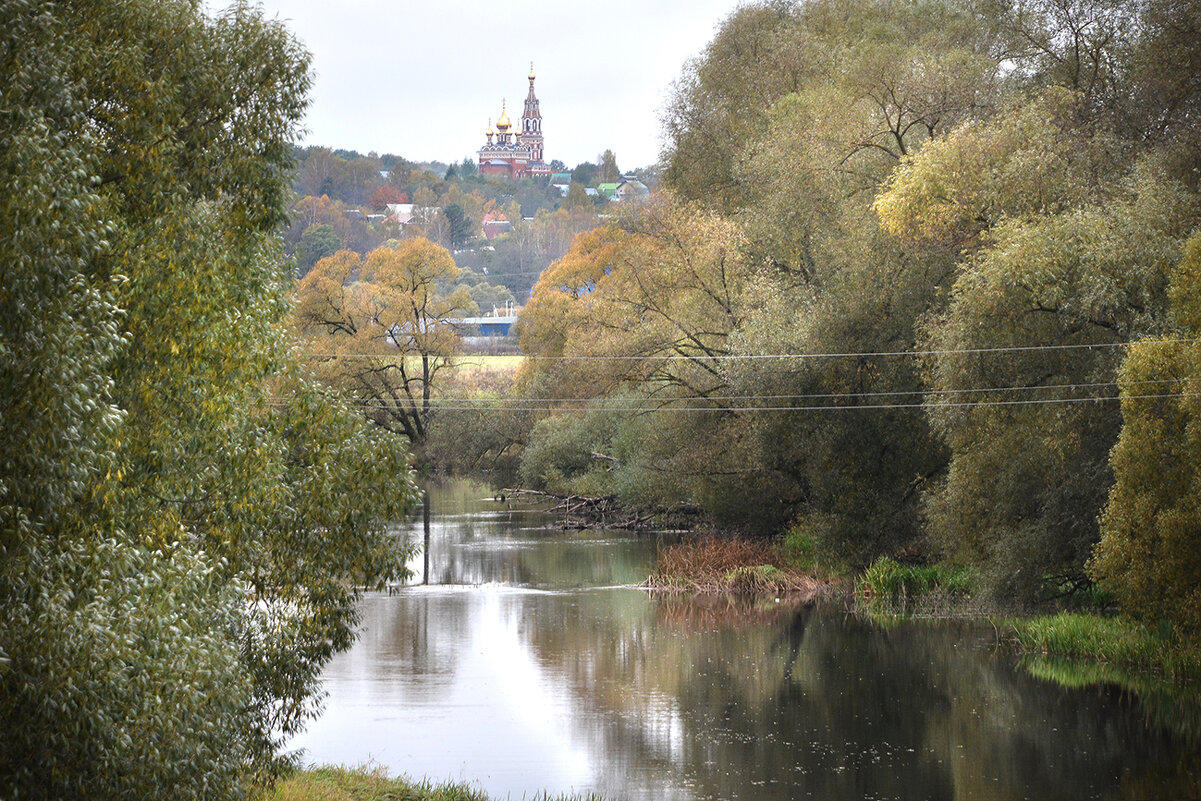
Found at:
(356, 202)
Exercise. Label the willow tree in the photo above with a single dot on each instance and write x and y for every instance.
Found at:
(880, 81)
(635, 321)
(1147, 554)
(1065, 256)
(382, 329)
(180, 531)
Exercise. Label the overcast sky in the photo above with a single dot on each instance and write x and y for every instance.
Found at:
(421, 79)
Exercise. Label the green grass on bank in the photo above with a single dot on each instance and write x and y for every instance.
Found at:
(890, 587)
(1116, 642)
(334, 783)
(1084, 650)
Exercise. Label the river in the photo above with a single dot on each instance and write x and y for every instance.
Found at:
(522, 660)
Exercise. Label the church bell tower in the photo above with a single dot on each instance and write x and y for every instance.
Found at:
(531, 122)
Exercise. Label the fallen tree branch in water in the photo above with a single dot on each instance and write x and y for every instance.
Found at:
(585, 512)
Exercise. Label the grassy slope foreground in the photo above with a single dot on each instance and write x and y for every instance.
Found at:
(369, 784)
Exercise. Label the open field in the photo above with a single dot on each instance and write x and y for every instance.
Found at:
(488, 362)
(480, 372)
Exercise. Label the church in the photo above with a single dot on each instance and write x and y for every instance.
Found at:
(515, 153)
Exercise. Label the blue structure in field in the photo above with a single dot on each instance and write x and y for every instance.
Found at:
(490, 326)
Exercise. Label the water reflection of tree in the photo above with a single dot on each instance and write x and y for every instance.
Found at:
(414, 638)
(821, 702)
(678, 691)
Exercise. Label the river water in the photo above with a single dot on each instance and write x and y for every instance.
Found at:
(521, 661)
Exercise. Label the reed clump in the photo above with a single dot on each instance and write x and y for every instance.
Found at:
(888, 586)
(1116, 641)
(730, 565)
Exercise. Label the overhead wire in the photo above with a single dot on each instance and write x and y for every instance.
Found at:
(797, 356)
(821, 408)
(824, 395)
(519, 404)
(737, 403)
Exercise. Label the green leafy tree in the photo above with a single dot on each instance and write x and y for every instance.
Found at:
(585, 173)
(720, 101)
(168, 603)
(806, 171)
(317, 242)
(577, 197)
(461, 226)
(1148, 553)
(1021, 505)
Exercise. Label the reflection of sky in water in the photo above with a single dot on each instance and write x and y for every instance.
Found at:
(497, 717)
(529, 665)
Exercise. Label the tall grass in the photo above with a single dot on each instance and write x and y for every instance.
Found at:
(892, 588)
(1115, 641)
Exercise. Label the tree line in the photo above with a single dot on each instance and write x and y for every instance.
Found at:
(922, 284)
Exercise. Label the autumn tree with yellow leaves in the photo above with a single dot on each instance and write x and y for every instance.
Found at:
(381, 330)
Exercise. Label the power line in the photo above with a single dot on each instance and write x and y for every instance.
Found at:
(477, 400)
(819, 408)
(796, 356)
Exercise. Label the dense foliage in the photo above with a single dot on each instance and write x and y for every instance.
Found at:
(894, 290)
(183, 513)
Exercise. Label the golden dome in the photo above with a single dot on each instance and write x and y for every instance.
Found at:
(502, 123)
(531, 70)
(490, 131)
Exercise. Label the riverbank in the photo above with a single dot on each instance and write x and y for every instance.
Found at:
(1071, 647)
(336, 783)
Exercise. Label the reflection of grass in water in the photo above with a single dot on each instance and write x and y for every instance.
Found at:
(1172, 706)
(1076, 650)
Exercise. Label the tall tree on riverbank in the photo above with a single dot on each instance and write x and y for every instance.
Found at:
(382, 329)
(180, 543)
(1152, 522)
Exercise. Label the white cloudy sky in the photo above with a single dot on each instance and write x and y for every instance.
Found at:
(421, 79)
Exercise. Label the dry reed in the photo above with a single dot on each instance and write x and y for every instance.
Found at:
(729, 565)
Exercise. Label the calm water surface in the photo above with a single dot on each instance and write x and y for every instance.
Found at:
(528, 663)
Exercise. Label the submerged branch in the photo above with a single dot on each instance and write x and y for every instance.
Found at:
(584, 512)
